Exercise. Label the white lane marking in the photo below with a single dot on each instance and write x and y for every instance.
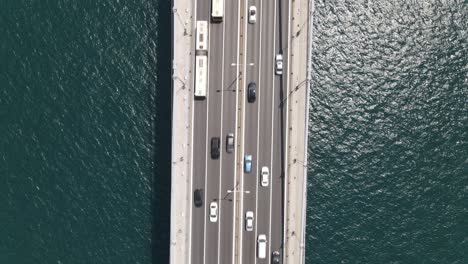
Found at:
(243, 128)
(286, 128)
(258, 125)
(206, 145)
(191, 154)
(222, 149)
(272, 128)
(236, 142)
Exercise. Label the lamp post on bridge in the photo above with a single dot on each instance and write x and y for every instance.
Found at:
(229, 89)
(231, 191)
(240, 64)
(228, 192)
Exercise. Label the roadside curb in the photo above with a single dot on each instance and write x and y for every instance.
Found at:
(182, 103)
(298, 109)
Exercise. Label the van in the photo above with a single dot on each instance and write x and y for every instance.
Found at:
(261, 246)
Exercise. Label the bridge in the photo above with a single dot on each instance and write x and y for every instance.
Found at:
(239, 137)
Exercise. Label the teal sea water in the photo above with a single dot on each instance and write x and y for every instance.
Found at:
(83, 120)
(388, 133)
(85, 132)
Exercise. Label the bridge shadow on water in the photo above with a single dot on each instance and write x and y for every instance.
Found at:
(158, 17)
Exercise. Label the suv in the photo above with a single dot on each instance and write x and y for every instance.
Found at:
(198, 197)
(215, 142)
(251, 94)
(279, 64)
(230, 143)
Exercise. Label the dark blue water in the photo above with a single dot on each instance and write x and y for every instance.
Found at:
(85, 132)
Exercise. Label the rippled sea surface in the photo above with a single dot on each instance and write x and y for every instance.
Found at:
(388, 146)
(85, 132)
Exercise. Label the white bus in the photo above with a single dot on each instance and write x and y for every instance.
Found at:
(202, 36)
(201, 70)
(217, 10)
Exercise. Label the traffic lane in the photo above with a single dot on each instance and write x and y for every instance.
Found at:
(250, 179)
(198, 163)
(228, 92)
(248, 245)
(199, 155)
(277, 171)
(281, 102)
(198, 179)
(265, 140)
(214, 130)
(251, 135)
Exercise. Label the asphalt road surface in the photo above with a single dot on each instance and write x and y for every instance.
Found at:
(262, 125)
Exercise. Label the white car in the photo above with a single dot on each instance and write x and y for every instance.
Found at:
(213, 212)
(265, 176)
(252, 14)
(249, 218)
(279, 64)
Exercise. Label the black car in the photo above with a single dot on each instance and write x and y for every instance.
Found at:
(198, 197)
(275, 258)
(215, 142)
(251, 93)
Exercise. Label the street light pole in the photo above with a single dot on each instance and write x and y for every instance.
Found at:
(239, 64)
(231, 191)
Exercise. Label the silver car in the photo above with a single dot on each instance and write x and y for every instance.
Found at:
(249, 218)
(279, 64)
(265, 175)
(230, 143)
(252, 14)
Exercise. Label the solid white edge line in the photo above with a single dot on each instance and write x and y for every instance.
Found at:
(191, 143)
(221, 152)
(243, 128)
(272, 126)
(206, 143)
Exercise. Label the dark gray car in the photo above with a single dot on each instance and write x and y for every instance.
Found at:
(198, 197)
(251, 92)
(215, 143)
(230, 143)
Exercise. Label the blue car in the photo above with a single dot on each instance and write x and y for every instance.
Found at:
(248, 163)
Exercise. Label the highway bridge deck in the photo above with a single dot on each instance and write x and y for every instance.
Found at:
(272, 128)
